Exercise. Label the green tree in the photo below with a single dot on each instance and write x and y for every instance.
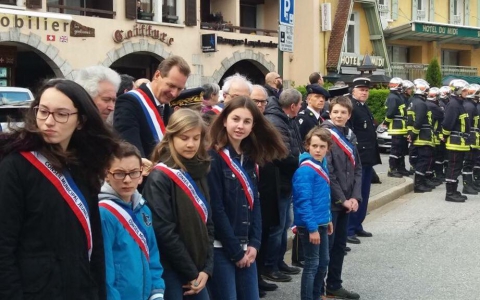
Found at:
(434, 74)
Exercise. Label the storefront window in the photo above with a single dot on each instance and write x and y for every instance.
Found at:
(450, 58)
(352, 43)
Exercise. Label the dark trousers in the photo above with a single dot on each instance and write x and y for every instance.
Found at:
(455, 165)
(397, 152)
(297, 250)
(356, 219)
(337, 243)
(413, 155)
(424, 160)
(468, 162)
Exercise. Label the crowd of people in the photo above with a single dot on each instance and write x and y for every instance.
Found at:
(124, 189)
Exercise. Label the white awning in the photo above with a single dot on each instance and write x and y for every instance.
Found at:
(48, 15)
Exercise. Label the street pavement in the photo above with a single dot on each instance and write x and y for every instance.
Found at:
(423, 248)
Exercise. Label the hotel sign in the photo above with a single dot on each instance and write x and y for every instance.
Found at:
(442, 30)
(353, 60)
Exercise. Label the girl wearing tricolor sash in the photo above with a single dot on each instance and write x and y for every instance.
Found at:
(241, 138)
(51, 244)
(311, 207)
(178, 196)
(132, 259)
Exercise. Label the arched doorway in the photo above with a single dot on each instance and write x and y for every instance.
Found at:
(137, 64)
(22, 65)
(251, 69)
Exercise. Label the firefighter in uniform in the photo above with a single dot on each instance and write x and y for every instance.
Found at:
(455, 129)
(468, 162)
(311, 115)
(406, 94)
(421, 135)
(476, 147)
(437, 119)
(444, 96)
(395, 120)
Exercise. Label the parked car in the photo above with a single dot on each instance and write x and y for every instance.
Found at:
(383, 138)
(13, 103)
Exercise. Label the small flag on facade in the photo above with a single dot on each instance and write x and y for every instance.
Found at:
(64, 39)
(50, 37)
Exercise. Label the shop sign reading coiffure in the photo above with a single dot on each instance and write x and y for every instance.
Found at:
(141, 30)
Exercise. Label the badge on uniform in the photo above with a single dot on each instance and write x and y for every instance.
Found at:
(365, 124)
(300, 121)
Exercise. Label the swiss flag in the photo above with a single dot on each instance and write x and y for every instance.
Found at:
(50, 37)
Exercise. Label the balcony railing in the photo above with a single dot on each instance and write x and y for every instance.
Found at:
(384, 11)
(421, 15)
(412, 71)
(457, 20)
(230, 28)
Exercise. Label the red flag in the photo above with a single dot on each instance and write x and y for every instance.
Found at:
(50, 38)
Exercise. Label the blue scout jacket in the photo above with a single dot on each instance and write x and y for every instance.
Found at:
(128, 273)
(311, 195)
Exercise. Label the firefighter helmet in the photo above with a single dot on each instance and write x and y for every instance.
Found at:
(472, 90)
(421, 87)
(407, 84)
(395, 84)
(445, 91)
(457, 86)
(433, 94)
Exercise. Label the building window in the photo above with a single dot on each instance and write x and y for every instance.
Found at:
(102, 9)
(450, 57)
(457, 13)
(8, 2)
(399, 54)
(423, 9)
(351, 43)
(384, 9)
(248, 17)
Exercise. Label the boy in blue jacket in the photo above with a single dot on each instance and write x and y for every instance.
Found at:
(132, 259)
(311, 207)
(345, 172)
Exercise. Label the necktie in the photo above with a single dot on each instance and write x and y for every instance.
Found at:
(160, 110)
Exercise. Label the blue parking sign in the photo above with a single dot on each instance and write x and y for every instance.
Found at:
(286, 12)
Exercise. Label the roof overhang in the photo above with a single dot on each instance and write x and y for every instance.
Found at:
(439, 32)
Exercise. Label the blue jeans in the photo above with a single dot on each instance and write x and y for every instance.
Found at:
(231, 283)
(174, 289)
(316, 264)
(356, 218)
(277, 240)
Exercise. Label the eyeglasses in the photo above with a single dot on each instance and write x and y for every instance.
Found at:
(261, 102)
(122, 175)
(60, 117)
(231, 95)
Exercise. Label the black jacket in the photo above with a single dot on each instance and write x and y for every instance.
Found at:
(43, 247)
(471, 109)
(361, 122)
(395, 114)
(306, 120)
(453, 120)
(131, 123)
(345, 179)
(288, 129)
(437, 116)
(272, 92)
(420, 122)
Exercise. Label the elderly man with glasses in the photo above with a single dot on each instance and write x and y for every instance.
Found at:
(236, 85)
(259, 95)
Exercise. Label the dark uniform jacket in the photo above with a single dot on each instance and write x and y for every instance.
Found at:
(437, 119)
(395, 114)
(43, 247)
(306, 120)
(130, 121)
(406, 100)
(471, 109)
(443, 103)
(456, 125)
(361, 122)
(272, 92)
(345, 179)
(420, 122)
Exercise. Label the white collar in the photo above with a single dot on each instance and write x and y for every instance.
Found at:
(157, 103)
(317, 115)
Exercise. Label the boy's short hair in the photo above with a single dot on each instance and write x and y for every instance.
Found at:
(126, 149)
(342, 101)
(322, 133)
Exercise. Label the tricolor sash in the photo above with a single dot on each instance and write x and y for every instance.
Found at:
(188, 185)
(130, 222)
(343, 143)
(241, 174)
(152, 115)
(318, 168)
(70, 192)
(217, 109)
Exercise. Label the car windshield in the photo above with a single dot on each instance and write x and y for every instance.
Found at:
(14, 97)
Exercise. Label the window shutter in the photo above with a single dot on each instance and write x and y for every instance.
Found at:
(431, 14)
(414, 9)
(33, 3)
(191, 12)
(452, 10)
(394, 10)
(466, 15)
(131, 9)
